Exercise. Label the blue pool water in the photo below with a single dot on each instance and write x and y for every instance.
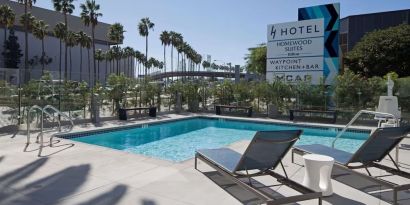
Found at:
(177, 141)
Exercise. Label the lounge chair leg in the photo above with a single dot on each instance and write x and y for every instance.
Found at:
(395, 197)
(249, 179)
(394, 162)
(293, 157)
(368, 172)
(196, 161)
(320, 200)
(283, 167)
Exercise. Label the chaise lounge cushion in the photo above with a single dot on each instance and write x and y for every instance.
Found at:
(225, 158)
(340, 156)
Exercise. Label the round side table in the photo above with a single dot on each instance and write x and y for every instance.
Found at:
(318, 169)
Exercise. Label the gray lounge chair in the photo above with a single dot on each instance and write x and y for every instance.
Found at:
(379, 144)
(262, 156)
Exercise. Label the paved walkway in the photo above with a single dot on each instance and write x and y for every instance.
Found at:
(78, 173)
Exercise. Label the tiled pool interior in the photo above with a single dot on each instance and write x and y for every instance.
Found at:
(177, 140)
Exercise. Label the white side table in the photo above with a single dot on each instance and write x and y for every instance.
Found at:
(318, 169)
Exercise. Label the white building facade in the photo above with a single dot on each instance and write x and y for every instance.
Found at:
(77, 65)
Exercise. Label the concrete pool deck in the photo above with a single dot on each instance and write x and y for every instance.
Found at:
(78, 173)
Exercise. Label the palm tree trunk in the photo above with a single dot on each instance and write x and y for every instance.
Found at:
(94, 105)
(42, 56)
(178, 62)
(98, 66)
(66, 49)
(146, 53)
(110, 67)
(106, 70)
(118, 67)
(132, 67)
(5, 39)
(172, 58)
(98, 70)
(178, 65)
(59, 88)
(165, 62)
(128, 66)
(5, 33)
(81, 63)
(89, 67)
(26, 41)
(71, 64)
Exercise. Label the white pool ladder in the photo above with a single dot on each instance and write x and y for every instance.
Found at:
(40, 136)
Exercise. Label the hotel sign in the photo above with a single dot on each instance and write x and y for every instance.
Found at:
(295, 51)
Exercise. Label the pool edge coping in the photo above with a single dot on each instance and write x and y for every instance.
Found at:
(76, 134)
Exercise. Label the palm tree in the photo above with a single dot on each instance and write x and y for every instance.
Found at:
(143, 27)
(138, 57)
(87, 45)
(40, 31)
(143, 62)
(177, 40)
(90, 15)
(30, 20)
(116, 34)
(149, 63)
(27, 4)
(117, 53)
(165, 38)
(129, 55)
(99, 56)
(198, 60)
(70, 41)
(65, 7)
(7, 18)
(110, 56)
(205, 64)
(186, 49)
(60, 32)
(172, 37)
(105, 58)
(82, 39)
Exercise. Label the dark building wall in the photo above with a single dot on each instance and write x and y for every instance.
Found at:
(353, 28)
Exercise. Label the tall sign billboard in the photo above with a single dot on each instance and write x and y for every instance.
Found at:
(330, 14)
(295, 51)
(306, 50)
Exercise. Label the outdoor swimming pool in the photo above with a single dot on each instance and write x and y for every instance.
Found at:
(177, 140)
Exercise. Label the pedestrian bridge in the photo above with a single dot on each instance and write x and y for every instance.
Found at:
(162, 75)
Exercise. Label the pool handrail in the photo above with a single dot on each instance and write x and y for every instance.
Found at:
(59, 113)
(387, 115)
(32, 108)
(44, 111)
(59, 121)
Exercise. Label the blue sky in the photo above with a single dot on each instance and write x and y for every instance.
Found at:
(222, 28)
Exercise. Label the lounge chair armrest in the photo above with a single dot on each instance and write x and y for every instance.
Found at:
(278, 141)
